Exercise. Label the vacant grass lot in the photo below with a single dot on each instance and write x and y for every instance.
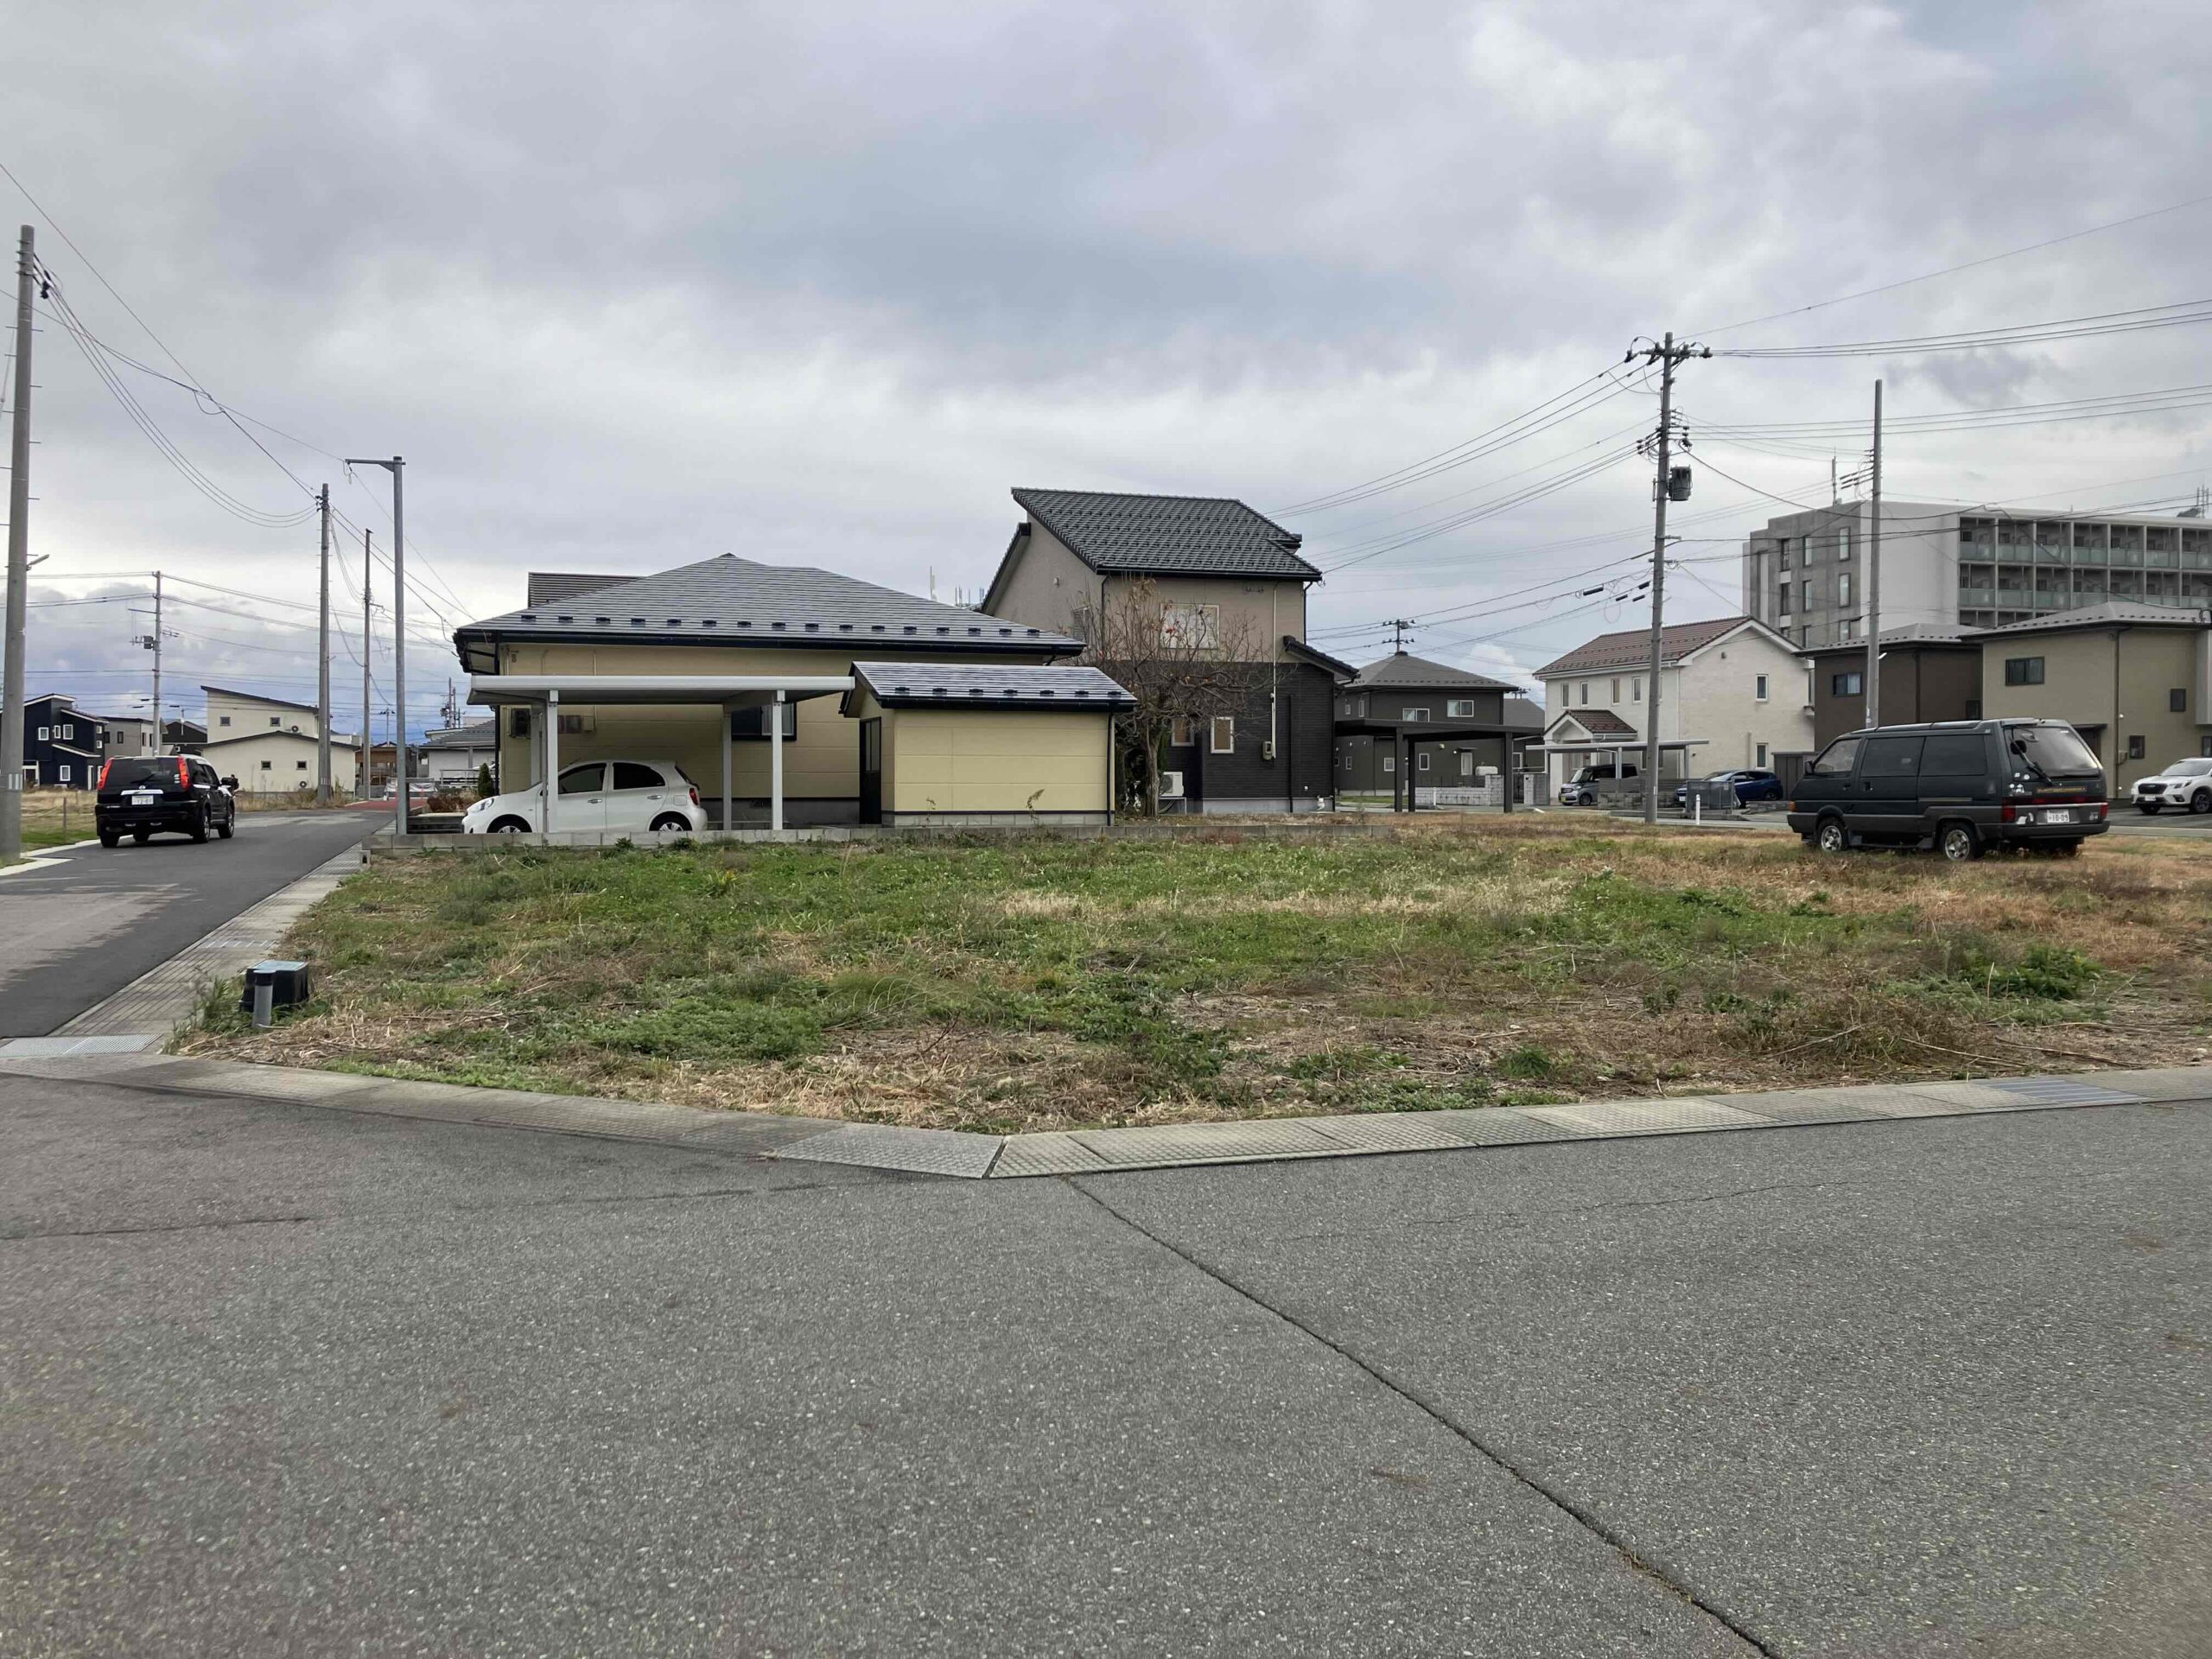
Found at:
(1043, 982)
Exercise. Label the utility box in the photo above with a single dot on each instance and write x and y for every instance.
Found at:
(1678, 483)
(287, 981)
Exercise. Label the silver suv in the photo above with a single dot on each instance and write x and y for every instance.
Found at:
(2185, 785)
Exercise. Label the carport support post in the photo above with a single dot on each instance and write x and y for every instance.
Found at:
(725, 749)
(552, 754)
(776, 764)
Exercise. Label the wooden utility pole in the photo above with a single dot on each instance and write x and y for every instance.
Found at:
(1873, 677)
(19, 566)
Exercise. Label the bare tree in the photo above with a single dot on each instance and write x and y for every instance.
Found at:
(1177, 661)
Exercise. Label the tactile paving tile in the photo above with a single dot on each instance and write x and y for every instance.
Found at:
(1053, 1153)
(2162, 1083)
(2063, 1091)
(55, 1048)
(1645, 1117)
(926, 1152)
(1504, 1125)
(1940, 1099)
(1209, 1143)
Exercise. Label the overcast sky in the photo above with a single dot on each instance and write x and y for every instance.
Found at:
(633, 285)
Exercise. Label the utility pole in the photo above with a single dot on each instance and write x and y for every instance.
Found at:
(19, 567)
(1666, 354)
(396, 466)
(1398, 626)
(368, 570)
(322, 664)
(156, 643)
(1873, 676)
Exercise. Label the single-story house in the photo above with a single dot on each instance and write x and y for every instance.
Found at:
(749, 677)
(272, 746)
(452, 755)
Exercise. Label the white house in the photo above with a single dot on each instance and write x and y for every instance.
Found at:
(1732, 693)
(270, 744)
(453, 754)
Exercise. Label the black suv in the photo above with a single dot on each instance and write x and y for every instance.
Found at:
(1959, 787)
(179, 792)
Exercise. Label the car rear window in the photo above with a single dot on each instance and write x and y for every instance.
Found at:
(154, 769)
(2053, 749)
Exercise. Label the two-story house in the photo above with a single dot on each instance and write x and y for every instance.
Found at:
(1732, 693)
(1220, 586)
(63, 744)
(270, 745)
(1413, 692)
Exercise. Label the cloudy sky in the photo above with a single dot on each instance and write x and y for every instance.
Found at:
(633, 285)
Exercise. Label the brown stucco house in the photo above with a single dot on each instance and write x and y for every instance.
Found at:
(796, 696)
(1928, 673)
(1211, 570)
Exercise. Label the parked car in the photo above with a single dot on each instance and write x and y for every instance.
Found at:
(2184, 784)
(1751, 783)
(418, 789)
(1958, 786)
(139, 796)
(615, 795)
(1581, 790)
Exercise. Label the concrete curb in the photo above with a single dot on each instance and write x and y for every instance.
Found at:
(962, 1155)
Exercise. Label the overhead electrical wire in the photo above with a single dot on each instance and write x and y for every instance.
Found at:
(2174, 315)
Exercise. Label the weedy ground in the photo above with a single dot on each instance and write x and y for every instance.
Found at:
(1041, 983)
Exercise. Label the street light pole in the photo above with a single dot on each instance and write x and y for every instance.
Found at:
(396, 466)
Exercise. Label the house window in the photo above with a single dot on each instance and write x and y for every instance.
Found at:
(2204, 746)
(1421, 761)
(1466, 763)
(1785, 599)
(1390, 763)
(1759, 757)
(1853, 684)
(1415, 714)
(1190, 627)
(1179, 733)
(64, 772)
(2135, 748)
(1809, 597)
(1460, 708)
(1843, 543)
(1843, 587)
(1617, 688)
(1761, 692)
(2024, 670)
(1586, 693)
(222, 719)
(265, 765)
(2177, 700)
(300, 766)
(518, 722)
(746, 725)
(1225, 735)
(42, 735)
(1636, 690)
(275, 720)
(1782, 563)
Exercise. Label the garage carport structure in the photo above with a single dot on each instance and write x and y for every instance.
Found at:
(728, 692)
(1403, 735)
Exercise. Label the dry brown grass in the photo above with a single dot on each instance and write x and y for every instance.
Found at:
(1044, 983)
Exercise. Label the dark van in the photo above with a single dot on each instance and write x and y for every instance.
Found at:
(140, 794)
(1960, 786)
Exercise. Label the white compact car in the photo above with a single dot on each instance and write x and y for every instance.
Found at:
(2185, 785)
(619, 796)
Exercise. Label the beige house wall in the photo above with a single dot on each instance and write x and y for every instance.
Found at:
(1049, 587)
(994, 760)
(291, 762)
(249, 716)
(821, 762)
(2079, 687)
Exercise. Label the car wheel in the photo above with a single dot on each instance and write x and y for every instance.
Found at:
(228, 827)
(200, 825)
(1832, 836)
(669, 821)
(110, 839)
(510, 827)
(2201, 801)
(1958, 843)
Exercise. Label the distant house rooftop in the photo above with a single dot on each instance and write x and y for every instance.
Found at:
(1159, 535)
(1632, 647)
(1414, 673)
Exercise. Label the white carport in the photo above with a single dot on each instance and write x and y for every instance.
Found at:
(728, 692)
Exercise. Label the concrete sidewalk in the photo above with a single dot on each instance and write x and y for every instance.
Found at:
(966, 1156)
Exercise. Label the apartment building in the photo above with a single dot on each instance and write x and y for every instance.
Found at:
(1949, 568)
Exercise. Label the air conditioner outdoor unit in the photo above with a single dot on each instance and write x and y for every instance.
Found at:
(1171, 785)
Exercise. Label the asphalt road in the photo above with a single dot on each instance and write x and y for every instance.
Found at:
(279, 1380)
(81, 923)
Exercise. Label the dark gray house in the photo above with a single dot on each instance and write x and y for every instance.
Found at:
(1214, 578)
(63, 744)
(1406, 692)
(1928, 673)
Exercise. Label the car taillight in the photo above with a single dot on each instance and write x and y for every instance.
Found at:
(2104, 810)
(183, 778)
(2008, 812)
(695, 794)
(106, 766)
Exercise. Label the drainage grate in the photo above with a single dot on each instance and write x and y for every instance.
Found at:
(2062, 1091)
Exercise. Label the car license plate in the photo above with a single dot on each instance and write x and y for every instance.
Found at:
(145, 798)
(2059, 815)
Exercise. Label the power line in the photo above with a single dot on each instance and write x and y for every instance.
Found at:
(2098, 323)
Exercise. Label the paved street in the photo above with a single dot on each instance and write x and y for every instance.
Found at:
(82, 923)
(278, 1379)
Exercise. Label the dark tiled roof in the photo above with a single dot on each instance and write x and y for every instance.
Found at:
(257, 696)
(550, 587)
(1417, 673)
(1599, 722)
(1913, 634)
(1167, 535)
(943, 685)
(1632, 647)
(1343, 671)
(2112, 613)
(1521, 712)
(730, 601)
